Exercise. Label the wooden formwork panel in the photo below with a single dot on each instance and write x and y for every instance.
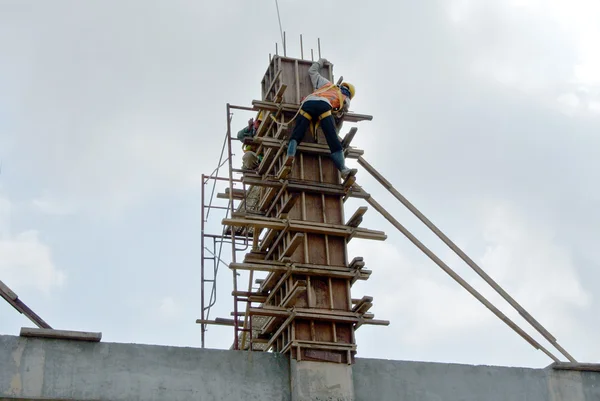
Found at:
(294, 74)
(323, 293)
(327, 334)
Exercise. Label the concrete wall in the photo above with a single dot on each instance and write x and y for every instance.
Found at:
(376, 379)
(55, 369)
(131, 372)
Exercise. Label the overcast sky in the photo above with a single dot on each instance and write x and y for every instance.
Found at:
(486, 116)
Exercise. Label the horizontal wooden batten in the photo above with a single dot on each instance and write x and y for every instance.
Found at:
(307, 227)
(288, 107)
(295, 269)
(308, 148)
(304, 186)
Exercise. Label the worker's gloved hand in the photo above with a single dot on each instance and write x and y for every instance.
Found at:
(324, 61)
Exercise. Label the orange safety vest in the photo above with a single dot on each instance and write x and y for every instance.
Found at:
(332, 93)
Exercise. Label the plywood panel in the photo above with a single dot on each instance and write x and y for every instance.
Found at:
(340, 294)
(337, 251)
(311, 167)
(344, 333)
(323, 331)
(288, 75)
(298, 255)
(320, 289)
(332, 210)
(330, 172)
(303, 330)
(302, 300)
(316, 247)
(314, 208)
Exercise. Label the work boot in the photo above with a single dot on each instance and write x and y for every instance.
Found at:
(348, 171)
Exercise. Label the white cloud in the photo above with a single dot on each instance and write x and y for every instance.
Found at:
(25, 261)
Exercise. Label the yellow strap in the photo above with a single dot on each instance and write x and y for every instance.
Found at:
(315, 126)
(305, 115)
(326, 114)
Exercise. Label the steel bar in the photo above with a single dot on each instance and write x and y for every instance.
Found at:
(233, 255)
(203, 326)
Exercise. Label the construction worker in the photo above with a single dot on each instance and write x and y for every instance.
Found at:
(251, 160)
(326, 106)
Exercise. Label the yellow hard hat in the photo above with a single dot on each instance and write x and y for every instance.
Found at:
(350, 88)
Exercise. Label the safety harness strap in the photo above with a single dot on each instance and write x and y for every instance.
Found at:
(314, 126)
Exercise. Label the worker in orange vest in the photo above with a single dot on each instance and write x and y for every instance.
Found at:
(320, 107)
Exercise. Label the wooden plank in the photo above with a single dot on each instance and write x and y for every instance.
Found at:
(276, 243)
(349, 137)
(266, 161)
(291, 247)
(282, 279)
(252, 296)
(15, 302)
(360, 302)
(280, 92)
(294, 185)
(293, 108)
(263, 125)
(220, 322)
(306, 227)
(298, 289)
(259, 264)
(331, 345)
(372, 322)
(357, 263)
(362, 275)
(285, 324)
(288, 205)
(7, 292)
(268, 91)
(267, 241)
(271, 199)
(582, 367)
(319, 345)
(323, 355)
(275, 159)
(357, 217)
(363, 308)
(60, 334)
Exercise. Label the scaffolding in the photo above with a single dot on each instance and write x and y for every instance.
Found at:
(256, 219)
